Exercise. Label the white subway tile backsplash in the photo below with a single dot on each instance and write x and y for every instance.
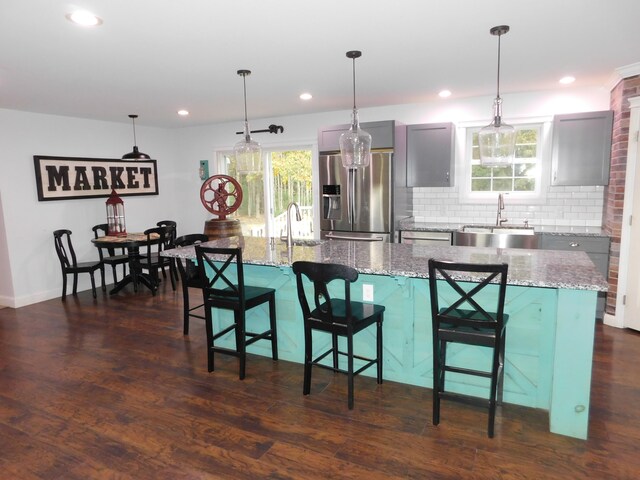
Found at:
(573, 206)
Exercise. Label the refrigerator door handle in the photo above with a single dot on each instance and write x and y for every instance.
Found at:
(332, 236)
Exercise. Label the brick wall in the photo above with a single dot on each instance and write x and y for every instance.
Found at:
(614, 192)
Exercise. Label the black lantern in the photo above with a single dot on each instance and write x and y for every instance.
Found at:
(115, 216)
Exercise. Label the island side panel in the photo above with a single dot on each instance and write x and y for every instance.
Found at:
(573, 356)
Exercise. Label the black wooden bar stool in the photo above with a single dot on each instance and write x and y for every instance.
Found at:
(464, 312)
(221, 290)
(338, 317)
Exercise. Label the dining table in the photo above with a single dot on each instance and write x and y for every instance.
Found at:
(132, 243)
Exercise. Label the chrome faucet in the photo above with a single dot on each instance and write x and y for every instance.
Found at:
(298, 218)
(499, 219)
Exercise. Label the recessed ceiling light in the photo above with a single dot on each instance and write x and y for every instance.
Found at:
(567, 80)
(84, 18)
(444, 93)
(183, 113)
(306, 96)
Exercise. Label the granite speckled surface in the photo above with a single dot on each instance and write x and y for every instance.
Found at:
(533, 268)
(410, 224)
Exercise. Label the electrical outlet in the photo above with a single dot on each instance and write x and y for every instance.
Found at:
(367, 292)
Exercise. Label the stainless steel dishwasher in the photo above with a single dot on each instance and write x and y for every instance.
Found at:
(425, 238)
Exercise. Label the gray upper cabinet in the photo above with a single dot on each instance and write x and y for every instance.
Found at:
(581, 148)
(382, 135)
(430, 159)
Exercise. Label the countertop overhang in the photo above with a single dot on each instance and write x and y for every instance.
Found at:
(530, 268)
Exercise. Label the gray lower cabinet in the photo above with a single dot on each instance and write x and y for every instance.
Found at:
(581, 152)
(430, 155)
(596, 247)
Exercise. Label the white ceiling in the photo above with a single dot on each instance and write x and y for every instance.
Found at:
(152, 57)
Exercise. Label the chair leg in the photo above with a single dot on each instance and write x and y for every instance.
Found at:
(75, 283)
(93, 285)
(64, 285)
(496, 381)
(436, 379)
(501, 365)
(104, 286)
(242, 343)
(308, 350)
(185, 308)
(209, 328)
(334, 345)
(114, 270)
(172, 276)
(272, 325)
(379, 348)
(350, 370)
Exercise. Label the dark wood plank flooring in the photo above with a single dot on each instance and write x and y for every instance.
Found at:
(112, 389)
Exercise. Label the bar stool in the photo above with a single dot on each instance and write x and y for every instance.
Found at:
(470, 318)
(221, 290)
(338, 317)
(189, 277)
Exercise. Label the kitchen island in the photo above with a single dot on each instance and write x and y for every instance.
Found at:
(551, 300)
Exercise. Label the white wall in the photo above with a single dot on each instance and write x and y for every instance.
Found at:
(28, 265)
(29, 258)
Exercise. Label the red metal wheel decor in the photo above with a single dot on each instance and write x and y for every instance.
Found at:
(221, 195)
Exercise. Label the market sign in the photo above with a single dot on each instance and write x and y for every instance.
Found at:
(65, 178)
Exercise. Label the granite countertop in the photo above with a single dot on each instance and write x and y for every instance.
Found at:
(411, 225)
(533, 268)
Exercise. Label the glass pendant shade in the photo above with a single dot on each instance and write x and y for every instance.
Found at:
(355, 145)
(497, 141)
(248, 153)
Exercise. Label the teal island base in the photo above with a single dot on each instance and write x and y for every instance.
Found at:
(548, 353)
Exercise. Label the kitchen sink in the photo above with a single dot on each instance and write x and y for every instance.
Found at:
(503, 236)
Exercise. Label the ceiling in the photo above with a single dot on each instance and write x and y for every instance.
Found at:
(153, 57)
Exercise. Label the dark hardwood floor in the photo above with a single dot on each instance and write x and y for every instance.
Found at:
(112, 389)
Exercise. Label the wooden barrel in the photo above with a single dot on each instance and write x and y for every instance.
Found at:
(217, 228)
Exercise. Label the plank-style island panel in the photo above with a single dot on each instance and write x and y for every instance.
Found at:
(551, 300)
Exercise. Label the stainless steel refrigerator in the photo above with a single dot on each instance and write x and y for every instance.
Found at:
(367, 213)
(380, 197)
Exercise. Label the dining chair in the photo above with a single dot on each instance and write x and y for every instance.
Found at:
(152, 259)
(189, 277)
(467, 307)
(108, 255)
(69, 263)
(339, 317)
(224, 288)
(169, 242)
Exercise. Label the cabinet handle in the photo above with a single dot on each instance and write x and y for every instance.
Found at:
(574, 244)
(446, 176)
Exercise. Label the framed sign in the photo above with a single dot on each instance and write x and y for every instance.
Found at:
(65, 178)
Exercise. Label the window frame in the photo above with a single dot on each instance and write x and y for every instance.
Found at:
(465, 162)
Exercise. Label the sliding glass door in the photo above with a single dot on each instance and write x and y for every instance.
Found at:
(285, 178)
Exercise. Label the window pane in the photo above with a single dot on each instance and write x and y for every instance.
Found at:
(481, 185)
(524, 184)
(506, 171)
(524, 169)
(502, 185)
(480, 171)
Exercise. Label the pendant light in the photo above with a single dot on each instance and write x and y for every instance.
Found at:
(135, 154)
(497, 140)
(355, 145)
(247, 151)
